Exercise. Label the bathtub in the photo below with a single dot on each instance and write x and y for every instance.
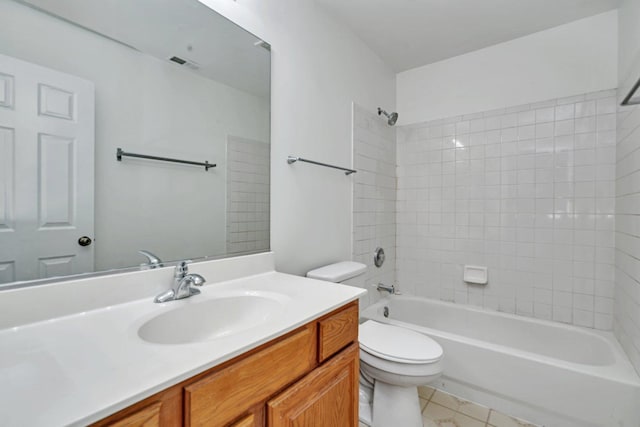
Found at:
(548, 373)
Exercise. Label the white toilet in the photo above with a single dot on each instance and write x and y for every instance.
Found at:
(394, 361)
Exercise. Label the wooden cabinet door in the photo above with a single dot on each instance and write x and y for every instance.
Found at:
(328, 396)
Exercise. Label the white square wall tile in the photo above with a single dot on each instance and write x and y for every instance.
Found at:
(565, 112)
(526, 118)
(564, 127)
(585, 109)
(543, 115)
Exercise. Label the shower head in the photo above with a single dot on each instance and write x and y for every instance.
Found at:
(393, 117)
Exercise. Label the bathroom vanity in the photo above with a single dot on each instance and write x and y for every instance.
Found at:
(310, 373)
(255, 347)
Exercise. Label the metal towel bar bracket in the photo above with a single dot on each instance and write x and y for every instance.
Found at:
(120, 154)
(292, 159)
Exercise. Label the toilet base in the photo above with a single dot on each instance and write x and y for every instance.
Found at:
(387, 405)
(365, 398)
(395, 406)
(364, 414)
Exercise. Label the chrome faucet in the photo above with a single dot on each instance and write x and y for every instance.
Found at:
(152, 260)
(387, 288)
(182, 284)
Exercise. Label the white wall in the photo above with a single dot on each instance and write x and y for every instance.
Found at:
(145, 105)
(318, 68)
(627, 301)
(629, 44)
(571, 59)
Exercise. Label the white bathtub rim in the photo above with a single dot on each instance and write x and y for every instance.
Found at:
(478, 309)
(621, 370)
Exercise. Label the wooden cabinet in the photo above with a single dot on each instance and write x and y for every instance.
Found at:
(308, 377)
(225, 395)
(321, 399)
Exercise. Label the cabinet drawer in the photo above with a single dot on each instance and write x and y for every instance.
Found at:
(220, 398)
(337, 331)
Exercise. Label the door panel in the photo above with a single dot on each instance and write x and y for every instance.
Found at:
(56, 266)
(7, 272)
(7, 177)
(56, 186)
(46, 171)
(6, 90)
(56, 102)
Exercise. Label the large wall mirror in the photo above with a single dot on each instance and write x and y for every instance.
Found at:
(80, 79)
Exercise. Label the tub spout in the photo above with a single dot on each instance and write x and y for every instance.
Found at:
(387, 288)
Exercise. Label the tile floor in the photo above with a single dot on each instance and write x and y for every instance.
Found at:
(440, 409)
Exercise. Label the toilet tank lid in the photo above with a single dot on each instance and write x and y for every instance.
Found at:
(338, 272)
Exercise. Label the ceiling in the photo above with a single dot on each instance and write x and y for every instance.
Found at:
(411, 33)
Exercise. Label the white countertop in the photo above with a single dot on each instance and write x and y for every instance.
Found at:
(82, 367)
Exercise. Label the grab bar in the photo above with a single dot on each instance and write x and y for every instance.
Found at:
(120, 154)
(292, 159)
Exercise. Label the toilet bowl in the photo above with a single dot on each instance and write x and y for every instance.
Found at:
(396, 360)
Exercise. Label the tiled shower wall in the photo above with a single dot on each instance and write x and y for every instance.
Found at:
(247, 195)
(374, 196)
(526, 191)
(627, 304)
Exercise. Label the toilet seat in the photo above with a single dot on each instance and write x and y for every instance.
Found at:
(397, 344)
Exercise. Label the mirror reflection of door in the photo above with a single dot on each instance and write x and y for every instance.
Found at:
(46, 172)
(147, 101)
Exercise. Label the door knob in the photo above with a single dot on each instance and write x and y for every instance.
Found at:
(84, 241)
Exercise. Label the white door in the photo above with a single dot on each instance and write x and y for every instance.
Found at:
(46, 172)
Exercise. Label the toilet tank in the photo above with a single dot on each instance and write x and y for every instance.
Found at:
(346, 272)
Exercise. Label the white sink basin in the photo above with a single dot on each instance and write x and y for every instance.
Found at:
(213, 318)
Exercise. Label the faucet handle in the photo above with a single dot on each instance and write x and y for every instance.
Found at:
(153, 261)
(182, 268)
